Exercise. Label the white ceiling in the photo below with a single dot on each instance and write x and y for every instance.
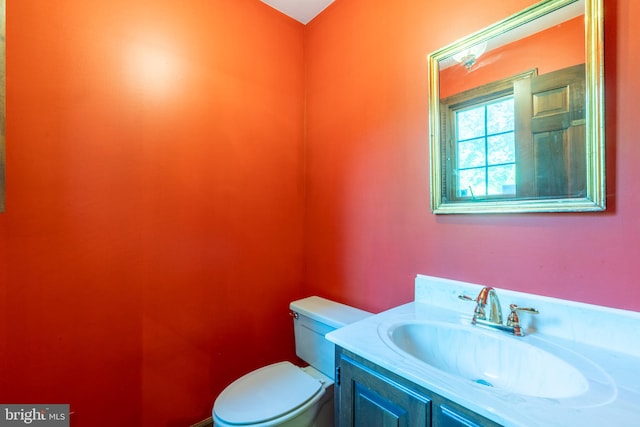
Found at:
(300, 10)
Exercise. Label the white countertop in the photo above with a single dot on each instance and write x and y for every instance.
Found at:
(603, 343)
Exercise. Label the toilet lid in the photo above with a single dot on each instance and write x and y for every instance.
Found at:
(265, 394)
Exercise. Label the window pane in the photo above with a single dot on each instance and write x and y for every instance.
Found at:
(472, 182)
(485, 149)
(502, 180)
(500, 116)
(470, 123)
(471, 153)
(501, 149)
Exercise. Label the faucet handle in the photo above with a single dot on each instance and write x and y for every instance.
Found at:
(514, 308)
(514, 320)
(478, 312)
(467, 298)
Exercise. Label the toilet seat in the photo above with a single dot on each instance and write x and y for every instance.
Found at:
(265, 394)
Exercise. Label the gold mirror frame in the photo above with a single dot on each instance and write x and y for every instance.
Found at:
(595, 197)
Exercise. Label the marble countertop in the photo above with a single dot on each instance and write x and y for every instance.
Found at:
(612, 368)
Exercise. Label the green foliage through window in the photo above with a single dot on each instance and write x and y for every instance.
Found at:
(485, 146)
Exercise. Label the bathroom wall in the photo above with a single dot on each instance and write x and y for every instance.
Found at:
(522, 55)
(158, 178)
(153, 233)
(369, 228)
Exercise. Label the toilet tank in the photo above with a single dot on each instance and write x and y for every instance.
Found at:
(313, 318)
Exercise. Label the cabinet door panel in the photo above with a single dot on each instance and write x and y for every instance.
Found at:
(367, 399)
(550, 119)
(450, 418)
(371, 409)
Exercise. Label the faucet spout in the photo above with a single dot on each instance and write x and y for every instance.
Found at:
(488, 312)
(488, 306)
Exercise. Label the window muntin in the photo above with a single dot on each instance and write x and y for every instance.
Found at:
(485, 149)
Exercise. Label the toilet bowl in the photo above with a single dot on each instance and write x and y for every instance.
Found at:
(283, 394)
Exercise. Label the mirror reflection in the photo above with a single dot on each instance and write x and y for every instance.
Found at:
(516, 114)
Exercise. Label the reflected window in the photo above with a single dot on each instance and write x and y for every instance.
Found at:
(485, 149)
(517, 138)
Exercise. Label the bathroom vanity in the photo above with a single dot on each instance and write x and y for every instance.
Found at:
(424, 363)
(368, 395)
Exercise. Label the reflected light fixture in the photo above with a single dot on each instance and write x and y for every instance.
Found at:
(469, 56)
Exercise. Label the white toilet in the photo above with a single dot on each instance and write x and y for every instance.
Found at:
(283, 394)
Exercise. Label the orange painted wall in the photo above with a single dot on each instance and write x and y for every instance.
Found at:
(162, 198)
(369, 228)
(153, 234)
(556, 48)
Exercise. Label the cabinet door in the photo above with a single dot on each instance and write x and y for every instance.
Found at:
(367, 399)
(449, 417)
(550, 120)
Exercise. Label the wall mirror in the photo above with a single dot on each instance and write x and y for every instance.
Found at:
(517, 114)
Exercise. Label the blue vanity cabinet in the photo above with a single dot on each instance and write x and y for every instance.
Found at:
(367, 395)
(365, 398)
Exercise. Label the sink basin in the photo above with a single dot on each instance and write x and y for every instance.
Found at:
(487, 357)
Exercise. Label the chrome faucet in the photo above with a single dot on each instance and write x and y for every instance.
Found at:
(488, 312)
